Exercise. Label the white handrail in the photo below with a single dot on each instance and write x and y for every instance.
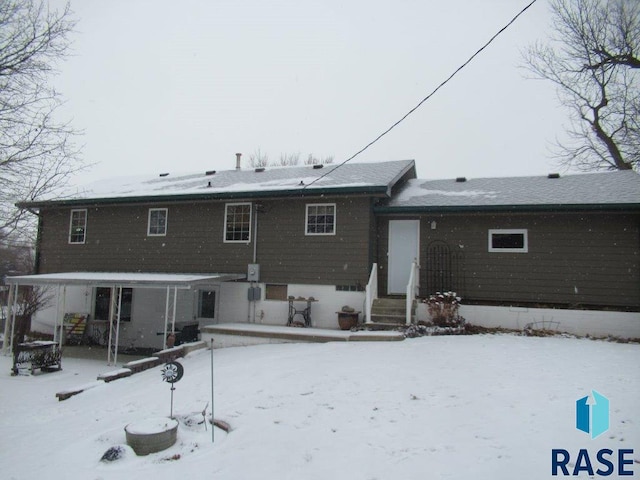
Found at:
(412, 290)
(371, 292)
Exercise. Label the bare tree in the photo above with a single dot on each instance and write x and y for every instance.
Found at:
(594, 59)
(289, 159)
(258, 159)
(37, 151)
(19, 260)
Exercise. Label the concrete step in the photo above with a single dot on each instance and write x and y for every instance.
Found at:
(388, 318)
(378, 326)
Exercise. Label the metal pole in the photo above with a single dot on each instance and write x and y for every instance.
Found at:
(112, 301)
(166, 317)
(13, 316)
(61, 317)
(172, 389)
(115, 359)
(175, 305)
(6, 345)
(213, 427)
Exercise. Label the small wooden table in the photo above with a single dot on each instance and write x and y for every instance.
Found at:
(305, 312)
(38, 354)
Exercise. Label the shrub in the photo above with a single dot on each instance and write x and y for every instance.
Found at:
(443, 310)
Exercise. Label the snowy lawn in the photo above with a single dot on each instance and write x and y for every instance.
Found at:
(472, 407)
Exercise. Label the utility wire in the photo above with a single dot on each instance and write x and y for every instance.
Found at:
(469, 60)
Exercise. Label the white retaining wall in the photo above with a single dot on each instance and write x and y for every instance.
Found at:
(578, 322)
(235, 308)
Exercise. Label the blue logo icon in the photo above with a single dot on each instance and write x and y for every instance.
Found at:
(592, 414)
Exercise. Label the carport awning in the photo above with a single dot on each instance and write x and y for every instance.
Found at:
(125, 279)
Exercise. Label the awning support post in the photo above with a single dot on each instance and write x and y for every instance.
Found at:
(9, 326)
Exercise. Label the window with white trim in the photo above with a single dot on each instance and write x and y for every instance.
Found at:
(508, 241)
(207, 304)
(321, 219)
(78, 226)
(237, 223)
(157, 225)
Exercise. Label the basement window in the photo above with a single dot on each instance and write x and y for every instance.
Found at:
(508, 241)
(349, 288)
(276, 292)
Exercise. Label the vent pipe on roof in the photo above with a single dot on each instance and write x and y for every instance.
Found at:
(238, 156)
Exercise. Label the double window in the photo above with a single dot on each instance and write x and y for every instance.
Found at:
(157, 225)
(508, 241)
(237, 223)
(321, 219)
(78, 226)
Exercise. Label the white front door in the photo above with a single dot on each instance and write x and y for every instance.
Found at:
(404, 243)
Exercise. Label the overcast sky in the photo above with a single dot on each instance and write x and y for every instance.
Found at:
(166, 86)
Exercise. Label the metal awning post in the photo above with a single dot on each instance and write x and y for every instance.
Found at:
(115, 360)
(60, 325)
(112, 308)
(14, 310)
(6, 344)
(175, 304)
(166, 317)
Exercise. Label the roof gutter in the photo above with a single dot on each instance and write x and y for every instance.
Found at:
(376, 190)
(555, 207)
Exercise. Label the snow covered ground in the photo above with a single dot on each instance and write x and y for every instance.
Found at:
(472, 407)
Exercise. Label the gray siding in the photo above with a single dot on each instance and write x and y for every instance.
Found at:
(590, 259)
(116, 240)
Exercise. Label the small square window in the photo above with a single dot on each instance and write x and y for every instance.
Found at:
(237, 223)
(157, 225)
(78, 226)
(508, 241)
(321, 219)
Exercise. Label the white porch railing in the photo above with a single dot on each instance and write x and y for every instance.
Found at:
(371, 292)
(412, 289)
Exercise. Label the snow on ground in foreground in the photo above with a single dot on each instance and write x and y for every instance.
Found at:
(473, 407)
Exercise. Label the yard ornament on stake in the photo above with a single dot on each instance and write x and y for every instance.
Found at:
(172, 372)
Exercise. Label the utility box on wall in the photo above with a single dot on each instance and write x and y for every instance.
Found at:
(254, 294)
(253, 272)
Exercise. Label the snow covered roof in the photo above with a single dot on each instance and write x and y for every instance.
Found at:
(123, 279)
(619, 189)
(371, 178)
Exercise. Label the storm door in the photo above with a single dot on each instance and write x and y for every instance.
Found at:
(404, 243)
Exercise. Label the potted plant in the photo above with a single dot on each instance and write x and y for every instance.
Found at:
(347, 318)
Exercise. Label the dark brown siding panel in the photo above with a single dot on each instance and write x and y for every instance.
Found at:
(573, 259)
(288, 255)
(116, 240)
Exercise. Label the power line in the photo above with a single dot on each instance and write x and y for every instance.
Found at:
(469, 60)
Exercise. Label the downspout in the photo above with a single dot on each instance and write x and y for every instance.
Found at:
(36, 262)
(250, 318)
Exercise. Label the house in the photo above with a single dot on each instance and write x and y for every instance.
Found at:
(553, 251)
(229, 246)
(265, 245)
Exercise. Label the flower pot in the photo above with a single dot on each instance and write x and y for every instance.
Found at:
(347, 320)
